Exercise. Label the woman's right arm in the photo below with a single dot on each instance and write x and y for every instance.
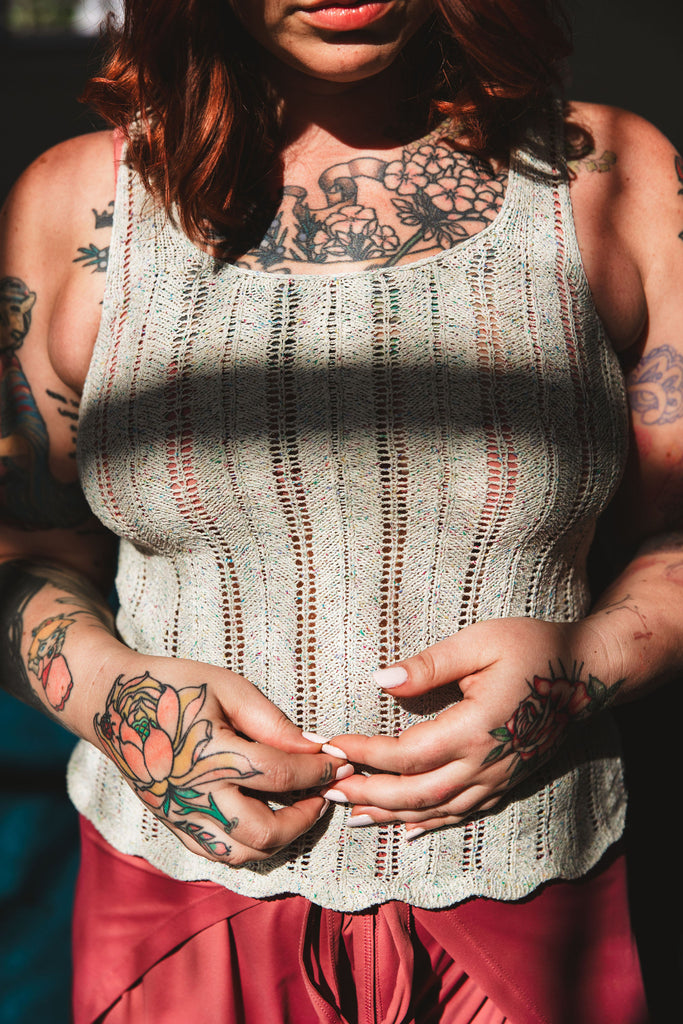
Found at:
(199, 745)
(57, 560)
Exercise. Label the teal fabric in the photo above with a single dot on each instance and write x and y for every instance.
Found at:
(38, 864)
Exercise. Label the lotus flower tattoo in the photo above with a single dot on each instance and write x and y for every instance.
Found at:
(153, 734)
(535, 729)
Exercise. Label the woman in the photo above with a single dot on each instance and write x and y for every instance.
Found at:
(346, 395)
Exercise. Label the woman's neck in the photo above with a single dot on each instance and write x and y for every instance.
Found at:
(357, 115)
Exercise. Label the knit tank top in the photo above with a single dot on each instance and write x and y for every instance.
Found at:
(313, 476)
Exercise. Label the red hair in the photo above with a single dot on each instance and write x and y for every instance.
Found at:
(183, 81)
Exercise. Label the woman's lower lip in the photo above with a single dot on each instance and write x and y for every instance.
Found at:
(347, 18)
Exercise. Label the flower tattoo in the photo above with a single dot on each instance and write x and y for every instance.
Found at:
(154, 735)
(432, 195)
(538, 723)
(438, 195)
(46, 661)
(655, 387)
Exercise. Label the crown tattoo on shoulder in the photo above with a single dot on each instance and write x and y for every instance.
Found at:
(105, 218)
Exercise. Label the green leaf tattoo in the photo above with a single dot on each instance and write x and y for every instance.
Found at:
(93, 257)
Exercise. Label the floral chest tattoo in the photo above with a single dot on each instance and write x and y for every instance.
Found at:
(378, 213)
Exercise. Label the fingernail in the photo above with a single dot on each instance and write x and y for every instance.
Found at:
(336, 796)
(415, 832)
(324, 808)
(360, 819)
(387, 678)
(343, 772)
(334, 751)
(327, 747)
(314, 738)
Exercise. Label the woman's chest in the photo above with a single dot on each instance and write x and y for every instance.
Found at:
(256, 400)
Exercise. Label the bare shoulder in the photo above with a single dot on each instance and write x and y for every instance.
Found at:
(646, 192)
(75, 162)
(54, 241)
(613, 124)
(626, 195)
(641, 159)
(52, 197)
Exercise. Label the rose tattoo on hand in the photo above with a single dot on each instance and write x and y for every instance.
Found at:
(154, 735)
(535, 729)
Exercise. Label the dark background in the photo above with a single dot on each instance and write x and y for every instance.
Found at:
(628, 53)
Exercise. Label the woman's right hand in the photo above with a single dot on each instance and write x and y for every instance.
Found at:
(205, 751)
(201, 746)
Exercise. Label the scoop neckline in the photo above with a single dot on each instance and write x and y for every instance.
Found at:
(452, 252)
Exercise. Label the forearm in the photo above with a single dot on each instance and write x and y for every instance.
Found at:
(56, 638)
(637, 623)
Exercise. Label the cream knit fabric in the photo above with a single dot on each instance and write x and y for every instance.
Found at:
(314, 475)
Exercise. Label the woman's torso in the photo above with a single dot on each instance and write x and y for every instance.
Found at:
(355, 466)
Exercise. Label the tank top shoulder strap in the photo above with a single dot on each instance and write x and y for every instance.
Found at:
(119, 141)
(543, 194)
(540, 154)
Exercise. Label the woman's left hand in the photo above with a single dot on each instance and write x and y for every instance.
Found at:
(523, 681)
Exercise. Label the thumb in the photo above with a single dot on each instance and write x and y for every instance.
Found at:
(448, 661)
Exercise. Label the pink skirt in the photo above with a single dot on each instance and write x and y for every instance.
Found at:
(148, 948)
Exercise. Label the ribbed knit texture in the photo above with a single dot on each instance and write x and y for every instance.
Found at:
(313, 476)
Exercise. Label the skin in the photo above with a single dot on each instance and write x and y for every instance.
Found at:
(340, 99)
(285, 32)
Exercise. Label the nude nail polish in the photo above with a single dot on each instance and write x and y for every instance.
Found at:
(415, 832)
(387, 678)
(314, 738)
(334, 751)
(357, 820)
(328, 748)
(336, 796)
(324, 808)
(343, 772)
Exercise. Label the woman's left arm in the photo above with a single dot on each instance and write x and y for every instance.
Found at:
(524, 682)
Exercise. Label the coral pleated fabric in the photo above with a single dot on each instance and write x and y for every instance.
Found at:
(153, 950)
